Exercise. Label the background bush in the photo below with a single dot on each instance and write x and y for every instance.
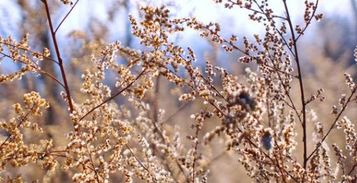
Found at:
(265, 107)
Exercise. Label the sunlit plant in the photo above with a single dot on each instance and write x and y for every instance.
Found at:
(269, 127)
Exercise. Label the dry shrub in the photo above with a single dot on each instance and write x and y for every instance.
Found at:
(117, 128)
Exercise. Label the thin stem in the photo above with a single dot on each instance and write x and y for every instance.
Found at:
(333, 124)
(215, 159)
(292, 105)
(32, 52)
(258, 12)
(241, 131)
(93, 165)
(52, 77)
(183, 106)
(38, 69)
(155, 149)
(300, 83)
(65, 17)
(140, 163)
(280, 169)
(209, 83)
(23, 118)
(309, 21)
(276, 29)
(280, 156)
(113, 96)
(252, 144)
(156, 102)
(285, 42)
(255, 58)
(194, 154)
(59, 58)
(159, 132)
(352, 169)
(156, 119)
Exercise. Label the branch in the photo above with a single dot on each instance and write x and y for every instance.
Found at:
(294, 40)
(240, 130)
(140, 163)
(23, 118)
(32, 52)
(333, 124)
(59, 58)
(65, 17)
(309, 21)
(113, 96)
(38, 69)
(183, 106)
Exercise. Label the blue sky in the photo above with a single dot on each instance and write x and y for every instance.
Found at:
(204, 10)
(232, 21)
(207, 10)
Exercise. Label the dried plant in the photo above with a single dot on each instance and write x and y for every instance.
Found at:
(119, 131)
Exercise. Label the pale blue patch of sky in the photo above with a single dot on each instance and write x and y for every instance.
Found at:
(233, 21)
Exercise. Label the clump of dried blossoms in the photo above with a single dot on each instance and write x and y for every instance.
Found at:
(258, 117)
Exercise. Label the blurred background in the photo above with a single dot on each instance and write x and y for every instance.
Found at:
(326, 49)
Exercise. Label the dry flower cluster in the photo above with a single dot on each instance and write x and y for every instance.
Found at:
(119, 132)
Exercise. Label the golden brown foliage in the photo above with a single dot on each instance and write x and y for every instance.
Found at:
(118, 131)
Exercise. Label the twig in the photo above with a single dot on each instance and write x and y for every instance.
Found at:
(292, 105)
(333, 123)
(33, 52)
(140, 163)
(93, 165)
(309, 21)
(300, 83)
(113, 96)
(259, 12)
(249, 140)
(156, 101)
(194, 153)
(157, 129)
(352, 169)
(38, 69)
(277, 30)
(17, 126)
(59, 58)
(65, 17)
(216, 158)
(183, 106)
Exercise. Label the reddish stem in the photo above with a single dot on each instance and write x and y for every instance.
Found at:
(60, 61)
(303, 104)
